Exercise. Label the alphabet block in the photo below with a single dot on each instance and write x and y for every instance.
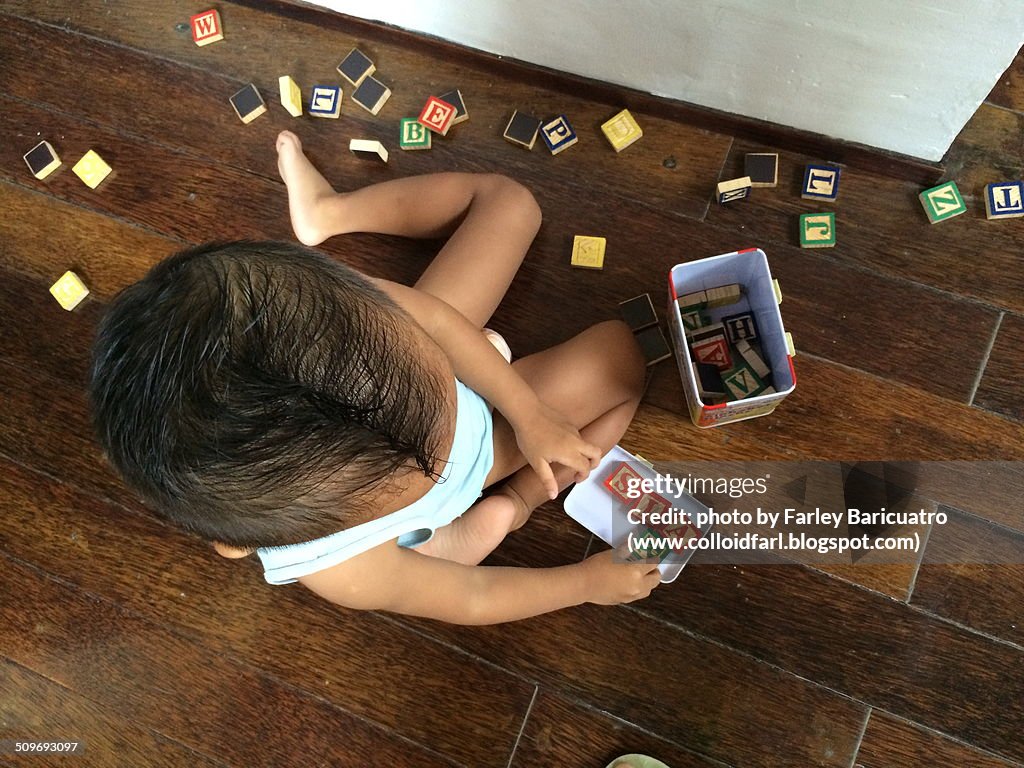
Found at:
(653, 344)
(371, 95)
(723, 295)
(817, 230)
(356, 67)
(740, 327)
(588, 252)
(42, 160)
(1005, 200)
(291, 95)
(413, 134)
(368, 149)
(762, 168)
(821, 182)
(206, 28)
(558, 134)
(522, 129)
(248, 104)
(638, 312)
(455, 99)
(325, 101)
(942, 202)
(437, 115)
(69, 291)
(91, 169)
(622, 130)
(733, 189)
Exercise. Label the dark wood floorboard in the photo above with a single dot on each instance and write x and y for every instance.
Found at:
(974, 574)
(859, 643)
(37, 709)
(457, 705)
(892, 743)
(1008, 91)
(563, 732)
(1001, 384)
(115, 619)
(180, 688)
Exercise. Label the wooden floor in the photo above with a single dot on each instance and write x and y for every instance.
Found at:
(121, 632)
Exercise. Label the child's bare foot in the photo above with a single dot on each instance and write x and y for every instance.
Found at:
(470, 538)
(307, 189)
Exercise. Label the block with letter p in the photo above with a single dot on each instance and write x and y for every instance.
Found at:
(558, 134)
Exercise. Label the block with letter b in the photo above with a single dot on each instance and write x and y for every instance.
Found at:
(413, 134)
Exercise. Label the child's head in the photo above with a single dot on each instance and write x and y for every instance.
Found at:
(257, 393)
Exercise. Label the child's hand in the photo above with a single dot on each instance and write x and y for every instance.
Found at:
(611, 581)
(545, 437)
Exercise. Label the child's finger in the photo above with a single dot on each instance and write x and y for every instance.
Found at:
(547, 477)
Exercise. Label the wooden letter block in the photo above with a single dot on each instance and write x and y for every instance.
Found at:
(91, 169)
(622, 130)
(709, 384)
(522, 129)
(368, 149)
(752, 359)
(248, 104)
(69, 291)
(734, 189)
(356, 67)
(413, 135)
(817, 230)
(206, 28)
(291, 95)
(741, 327)
(437, 115)
(42, 160)
(558, 134)
(371, 95)
(588, 252)
(942, 202)
(742, 382)
(638, 312)
(1005, 200)
(709, 345)
(692, 301)
(693, 321)
(618, 482)
(653, 344)
(325, 101)
(762, 168)
(821, 182)
(455, 99)
(723, 295)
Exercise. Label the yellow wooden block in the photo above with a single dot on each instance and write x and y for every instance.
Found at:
(69, 291)
(291, 95)
(91, 169)
(588, 252)
(622, 130)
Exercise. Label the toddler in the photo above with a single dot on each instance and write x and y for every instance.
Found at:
(270, 399)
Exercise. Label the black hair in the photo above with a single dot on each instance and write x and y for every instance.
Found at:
(258, 393)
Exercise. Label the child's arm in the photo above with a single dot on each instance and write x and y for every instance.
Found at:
(543, 435)
(392, 578)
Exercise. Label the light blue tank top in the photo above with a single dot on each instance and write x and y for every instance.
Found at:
(463, 477)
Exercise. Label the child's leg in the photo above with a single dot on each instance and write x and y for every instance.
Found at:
(491, 221)
(596, 379)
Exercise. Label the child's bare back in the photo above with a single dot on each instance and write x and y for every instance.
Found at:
(270, 399)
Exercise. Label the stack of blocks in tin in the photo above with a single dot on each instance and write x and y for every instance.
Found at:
(640, 316)
(726, 349)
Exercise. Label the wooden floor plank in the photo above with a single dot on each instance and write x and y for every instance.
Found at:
(36, 709)
(1001, 385)
(890, 742)
(696, 694)
(973, 573)
(560, 731)
(859, 643)
(1008, 92)
(177, 687)
(435, 695)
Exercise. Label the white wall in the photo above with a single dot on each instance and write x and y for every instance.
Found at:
(904, 75)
